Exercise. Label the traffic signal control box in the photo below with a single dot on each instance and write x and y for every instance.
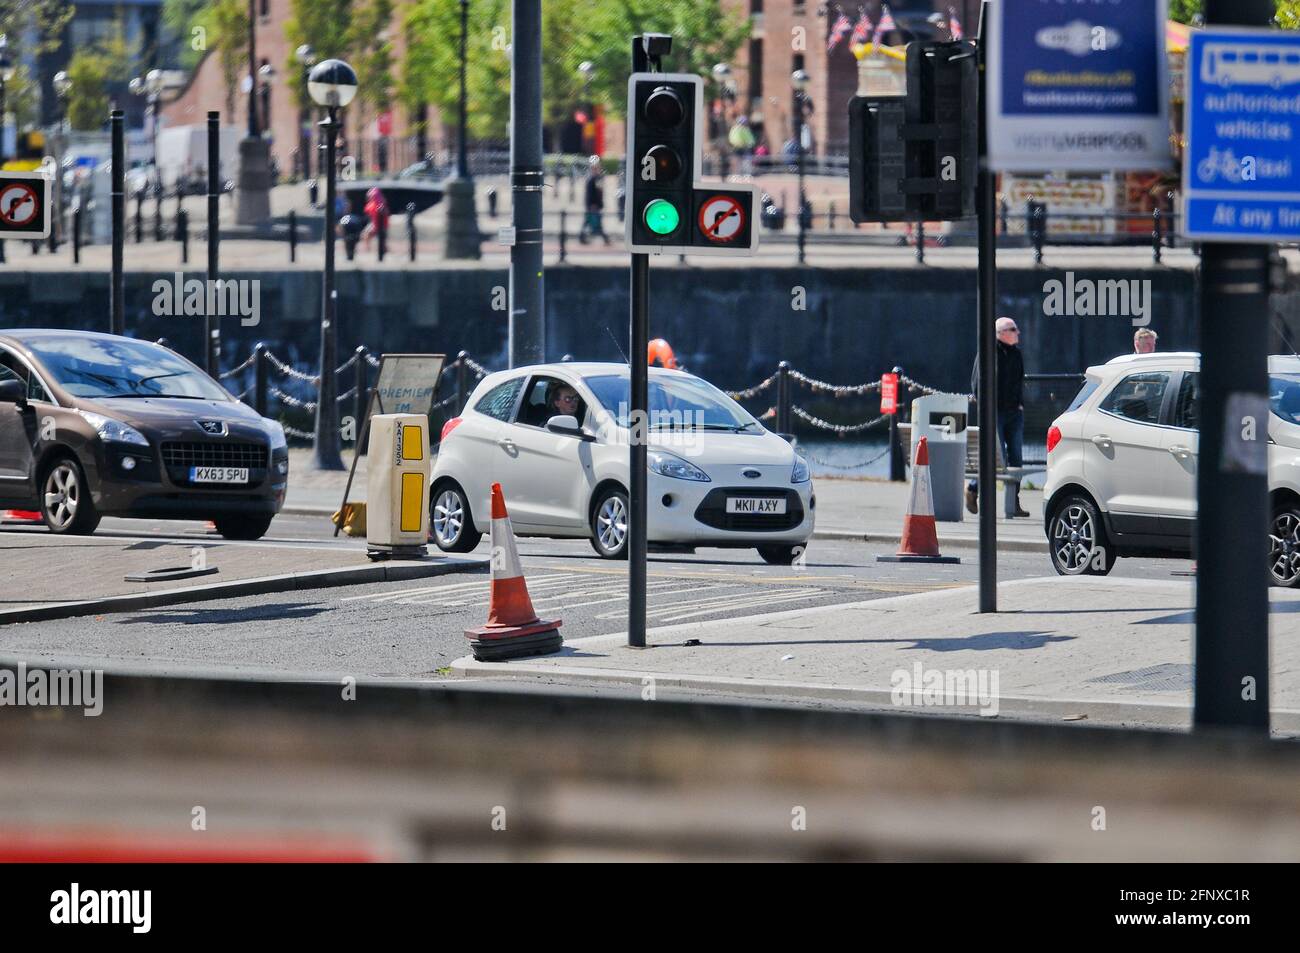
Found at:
(915, 157)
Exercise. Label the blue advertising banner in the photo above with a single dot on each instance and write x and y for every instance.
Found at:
(1078, 85)
(1241, 167)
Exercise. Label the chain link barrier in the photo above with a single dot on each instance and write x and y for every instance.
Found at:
(836, 428)
(844, 466)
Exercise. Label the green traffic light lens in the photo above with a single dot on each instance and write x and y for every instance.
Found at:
(661, 217)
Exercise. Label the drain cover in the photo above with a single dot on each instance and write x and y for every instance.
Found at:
(1166, 677)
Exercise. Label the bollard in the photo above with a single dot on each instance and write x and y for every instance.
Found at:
(381, 234)
(183, 234)
(1036, 225)
(293, 235)
(1003, 211)
(563, 219)
(897, 473)
(76, 236)
(830, 217)
(492, 202)
(1155, 235)
(360, 399)
(157, 214)
(462, 380)
(313, 193)
(139, 216)
(1171, 239)
(920, 242)
(410, 228)
(783, 397)
(260, 375)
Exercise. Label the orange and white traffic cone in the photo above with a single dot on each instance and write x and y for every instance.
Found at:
(920, 542)
(513, 629)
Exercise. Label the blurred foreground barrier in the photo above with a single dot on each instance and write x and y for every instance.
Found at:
(433, 771)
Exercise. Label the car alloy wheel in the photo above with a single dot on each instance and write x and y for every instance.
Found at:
(1074, 538)
(62, 495)
(1284, 548)
(448, 518)
(611, 524)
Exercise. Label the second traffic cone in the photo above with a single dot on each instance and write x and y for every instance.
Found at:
(920, 542)
(513, 629)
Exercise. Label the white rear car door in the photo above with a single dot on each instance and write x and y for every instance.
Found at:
(1125, 455)
(476, 446)
(1182, 448)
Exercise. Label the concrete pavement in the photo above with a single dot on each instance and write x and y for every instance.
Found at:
(1098, 649)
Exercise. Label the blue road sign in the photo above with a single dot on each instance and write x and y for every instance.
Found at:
(1241, 166)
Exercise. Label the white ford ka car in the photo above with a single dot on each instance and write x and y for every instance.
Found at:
(556, 437)
(1121, 465)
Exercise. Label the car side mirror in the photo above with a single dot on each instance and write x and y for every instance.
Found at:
(15, 392)
(567, 424)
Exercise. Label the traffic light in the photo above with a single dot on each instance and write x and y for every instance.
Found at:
(668, 209)
(915, 157)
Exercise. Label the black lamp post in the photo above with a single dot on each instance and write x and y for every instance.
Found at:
(332, 84)
(267, 74)
(306, 57)
(799, 83)
(463, 237)
(253, 190)
(62, 87)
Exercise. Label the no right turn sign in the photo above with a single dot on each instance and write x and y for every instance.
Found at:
(24, 205)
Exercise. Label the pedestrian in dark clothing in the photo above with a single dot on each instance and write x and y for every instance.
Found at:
(1010, 406)
(594, 203)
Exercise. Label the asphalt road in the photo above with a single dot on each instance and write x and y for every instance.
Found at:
(415, 629)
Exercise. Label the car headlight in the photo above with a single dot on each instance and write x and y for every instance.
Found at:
(276, 432)
(800, 474)
(665, 464)
(114, 430)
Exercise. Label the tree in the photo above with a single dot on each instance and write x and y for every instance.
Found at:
(431, 71)
(371, 51)
(1182, 11)
(30, 27)
(91, 69)
(704, 33)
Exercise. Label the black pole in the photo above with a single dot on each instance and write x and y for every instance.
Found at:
(211, 326)
(462, 380)
(527, 335)
(638, 425)
(139, 216)
(986, 209)
(798, 152)
(293, 235)
(76, 234)
(897, 470)
(360, 397)
(1232, 664)
(260, 376)
(783, 397)
(328, 449)
(252, 70)
(462, 154)
(410, 228)
(183, 234)
(117, 294)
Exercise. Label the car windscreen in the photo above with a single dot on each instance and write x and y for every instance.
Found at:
(685, 403)
(1284, 396)
(97, 367)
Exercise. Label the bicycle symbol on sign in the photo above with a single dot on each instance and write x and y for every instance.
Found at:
(1219, 163)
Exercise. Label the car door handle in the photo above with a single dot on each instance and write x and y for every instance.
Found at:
(506, 443)
(1180, 451)
(1102, 441)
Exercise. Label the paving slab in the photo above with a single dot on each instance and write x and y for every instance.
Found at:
(47, 576)
(1061, 644)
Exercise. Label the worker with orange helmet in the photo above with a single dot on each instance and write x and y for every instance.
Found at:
(661, 353)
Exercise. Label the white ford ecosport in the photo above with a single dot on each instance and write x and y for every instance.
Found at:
(1121, 465)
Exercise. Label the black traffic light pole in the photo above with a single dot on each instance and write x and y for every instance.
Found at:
(986, 398)
(638, 424)
(1231, 686)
